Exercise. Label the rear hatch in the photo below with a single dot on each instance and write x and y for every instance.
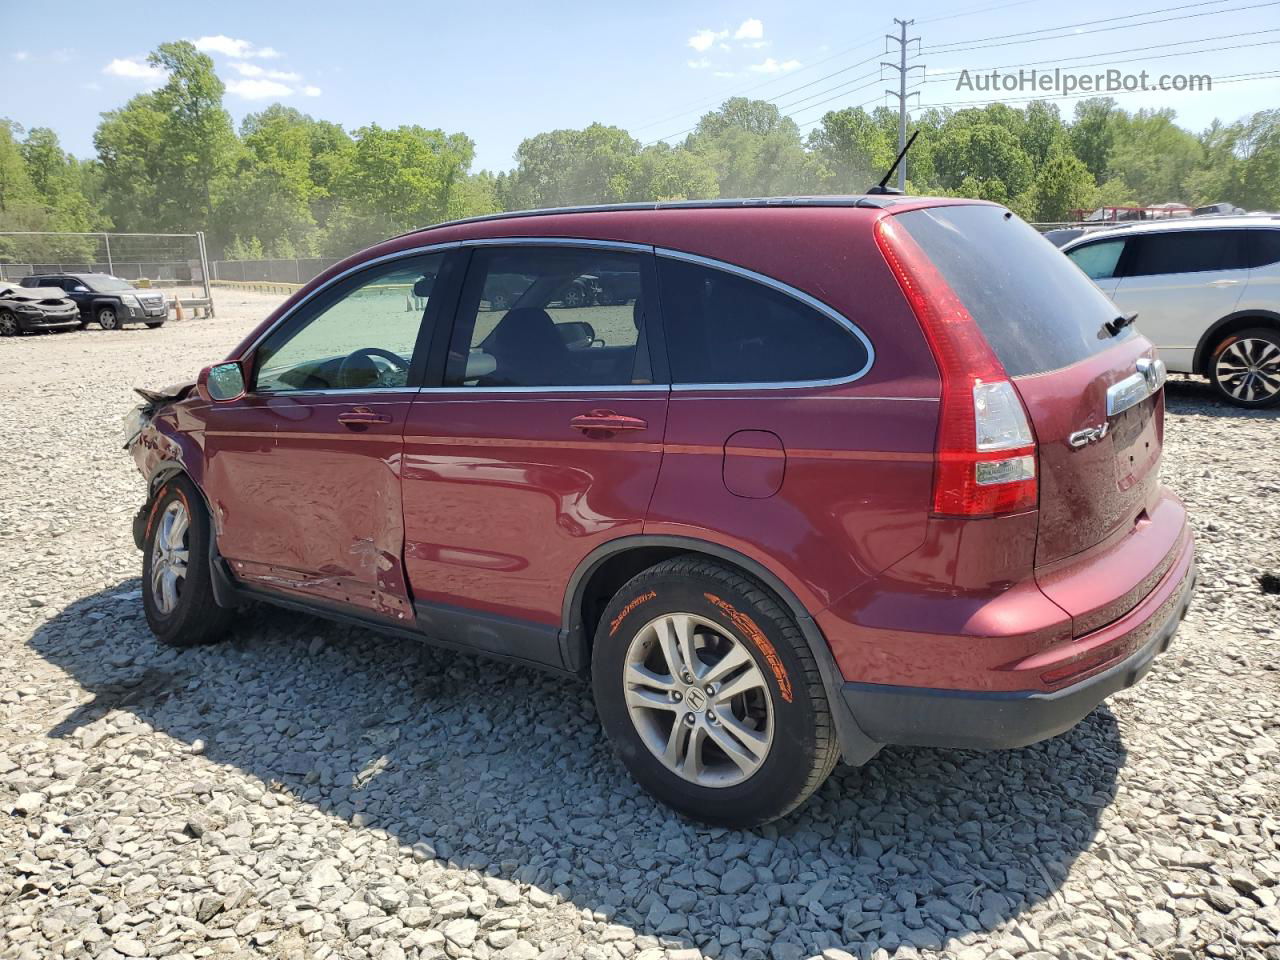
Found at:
(1047, 323)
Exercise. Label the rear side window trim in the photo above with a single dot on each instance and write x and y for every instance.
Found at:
(787, 290)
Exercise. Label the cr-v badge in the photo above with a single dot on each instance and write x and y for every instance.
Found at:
(1088, 435)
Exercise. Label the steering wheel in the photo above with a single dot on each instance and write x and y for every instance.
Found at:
(365, 358)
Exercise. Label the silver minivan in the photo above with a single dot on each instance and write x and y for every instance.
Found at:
(1205, 291)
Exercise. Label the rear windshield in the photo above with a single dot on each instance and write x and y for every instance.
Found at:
(1036, 309)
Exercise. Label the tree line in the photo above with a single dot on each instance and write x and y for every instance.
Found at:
(286, 184)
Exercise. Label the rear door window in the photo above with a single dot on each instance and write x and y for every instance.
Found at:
(1098, 260)
(548, 316)
(1185, 251)
(1038, 312)
(725, 328)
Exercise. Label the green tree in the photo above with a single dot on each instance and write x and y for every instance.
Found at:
(851, 151)
(1153, 156)
(976, 154)
(168, 155)
(663, 172)
(1062, 185)
(396, 180)
(1241, 163)
(1092, 134)
(569, 167)
(754, 150)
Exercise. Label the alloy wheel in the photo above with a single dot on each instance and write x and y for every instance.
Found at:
(1249, 370)
(8, 324)
(170, 556)
(107, 319)
(698, 700)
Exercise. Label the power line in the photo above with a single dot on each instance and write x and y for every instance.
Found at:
(778, 96)
(1080, 33)
(956, 48)
(1085, 23)
(1142, 49)
(977, 10)
(810, 66)
(827, 59)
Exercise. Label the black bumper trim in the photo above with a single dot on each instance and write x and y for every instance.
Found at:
(925, 717)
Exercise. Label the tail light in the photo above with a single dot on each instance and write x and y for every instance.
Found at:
(986, 452)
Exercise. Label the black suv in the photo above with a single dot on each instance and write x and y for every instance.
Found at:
(109, 300)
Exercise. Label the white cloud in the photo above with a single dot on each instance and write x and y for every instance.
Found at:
(700, 64)
(258, 89)
(771, 65)
(234, 47)
(253, 70)
(133, 68)
(310, 90)
(21, 55)
(704, 39)
(751, 29)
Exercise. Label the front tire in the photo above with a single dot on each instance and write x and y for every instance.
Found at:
(155, 325)
(177, 584)
(1245, 368)
(710, 694)
(9, 326)
(107, 318)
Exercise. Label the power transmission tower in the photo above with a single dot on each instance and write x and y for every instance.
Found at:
(901, 93)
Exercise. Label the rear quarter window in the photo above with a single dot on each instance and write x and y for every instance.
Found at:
(724, 328)
(1038, 312)
(1264, 247)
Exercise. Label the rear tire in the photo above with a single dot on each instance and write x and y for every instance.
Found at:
(107, 318)
(177, 584)
(1245, 368)
(756, 690)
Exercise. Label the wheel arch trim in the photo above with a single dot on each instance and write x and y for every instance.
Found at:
(1200, 360)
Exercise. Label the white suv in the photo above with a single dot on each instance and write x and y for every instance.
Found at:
(1206, 292)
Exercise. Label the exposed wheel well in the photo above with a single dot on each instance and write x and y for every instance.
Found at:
(607, 579)
(1224, 328)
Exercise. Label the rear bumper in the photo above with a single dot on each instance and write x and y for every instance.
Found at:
(928, 717)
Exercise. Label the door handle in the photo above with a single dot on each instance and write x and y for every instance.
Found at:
(1223, 283)
(607, 421)
(361, 417)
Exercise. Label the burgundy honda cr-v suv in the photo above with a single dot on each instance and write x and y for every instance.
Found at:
(790, 480)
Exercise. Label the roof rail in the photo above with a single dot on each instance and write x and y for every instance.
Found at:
(854, 200)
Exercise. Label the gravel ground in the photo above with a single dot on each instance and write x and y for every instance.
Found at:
(312, 790)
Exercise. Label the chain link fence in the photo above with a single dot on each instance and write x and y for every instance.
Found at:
(174, 262)
(295, 271)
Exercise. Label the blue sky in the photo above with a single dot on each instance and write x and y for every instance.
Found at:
(502, 71)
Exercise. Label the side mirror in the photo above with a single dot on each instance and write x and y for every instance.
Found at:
(221, 382)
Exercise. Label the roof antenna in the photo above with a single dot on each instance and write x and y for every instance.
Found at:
(880, 187)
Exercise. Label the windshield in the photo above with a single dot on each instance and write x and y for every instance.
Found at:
(1038, 312)
(105, 284)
